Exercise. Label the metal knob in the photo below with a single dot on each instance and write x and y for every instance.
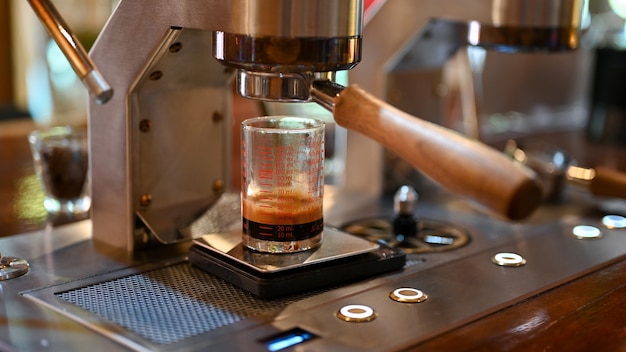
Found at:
(405, 200)
(404, 205)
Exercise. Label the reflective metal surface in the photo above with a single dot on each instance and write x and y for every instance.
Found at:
(82, 64)
(281, 44)
(431, 235)
(160, 148)
(335, 246)
(165, 57)
(285, 87)
(12, 267)
(141, 141)
(46, 306)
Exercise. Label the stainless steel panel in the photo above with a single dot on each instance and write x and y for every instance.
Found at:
(462, 285)
(180, 130)
(294, 18)
(135, 40)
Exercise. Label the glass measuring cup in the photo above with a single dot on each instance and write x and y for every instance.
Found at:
(282, 161)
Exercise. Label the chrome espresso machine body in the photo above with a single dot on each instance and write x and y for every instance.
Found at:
(160, 159)
(160, 148)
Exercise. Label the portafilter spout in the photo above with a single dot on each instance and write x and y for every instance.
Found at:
(462, 165)
(280, 46)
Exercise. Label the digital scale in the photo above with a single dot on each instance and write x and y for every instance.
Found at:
(340, 259)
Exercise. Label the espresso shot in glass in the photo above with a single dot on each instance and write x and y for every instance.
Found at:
(282, 193)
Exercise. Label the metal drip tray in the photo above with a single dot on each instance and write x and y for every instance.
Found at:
(432, 235)
(156, 304)
(164, 306)
(174, 305)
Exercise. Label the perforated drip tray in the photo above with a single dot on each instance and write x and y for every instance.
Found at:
(432, 235)
(175, 305)
(167, 306)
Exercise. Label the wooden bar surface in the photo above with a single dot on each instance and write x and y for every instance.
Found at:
(587, 314)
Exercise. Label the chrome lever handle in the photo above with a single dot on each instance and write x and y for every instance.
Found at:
(85, 68)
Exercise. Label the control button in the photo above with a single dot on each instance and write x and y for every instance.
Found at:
(408, 295)
(356, 313)
(586, 232)
(508, 259)
(614, 222)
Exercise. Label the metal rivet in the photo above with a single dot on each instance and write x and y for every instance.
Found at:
(614, 222)
(356, 313)
(156, 75)
(217, 116)
(145, 125)
(145, 199)
(218, 186)
(174, 48)
(508, 259)
(408, 295)
(586, 232)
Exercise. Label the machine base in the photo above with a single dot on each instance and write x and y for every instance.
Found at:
(342, 258)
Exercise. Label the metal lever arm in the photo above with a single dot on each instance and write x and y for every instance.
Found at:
(461, 165)
(84, 67)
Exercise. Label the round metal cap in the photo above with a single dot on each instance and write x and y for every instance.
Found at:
(508, 259)
(614, 222)
(586, 232)
(11, 267)
(405, 200)
(356, 313)
(408, 295)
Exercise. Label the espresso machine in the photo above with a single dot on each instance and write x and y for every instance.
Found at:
(160, 75)
(159, 147)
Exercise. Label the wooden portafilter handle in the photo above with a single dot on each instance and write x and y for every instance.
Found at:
(601, 181)
(608, 183)
(461, 165)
